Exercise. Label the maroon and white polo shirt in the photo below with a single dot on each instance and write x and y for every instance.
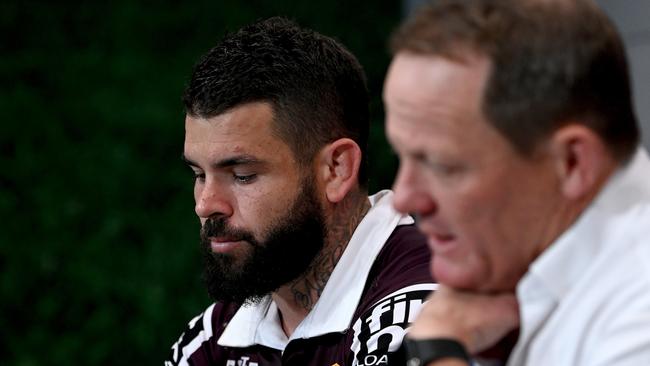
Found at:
(374, 292)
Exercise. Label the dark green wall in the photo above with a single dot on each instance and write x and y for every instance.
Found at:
(98, 244)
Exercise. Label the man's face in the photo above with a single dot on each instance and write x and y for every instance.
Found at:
(482, 206)
(262, 223)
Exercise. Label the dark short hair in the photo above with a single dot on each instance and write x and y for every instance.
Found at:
(316, 87)
(552, 63)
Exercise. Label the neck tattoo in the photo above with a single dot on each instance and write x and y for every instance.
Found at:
(307, 289)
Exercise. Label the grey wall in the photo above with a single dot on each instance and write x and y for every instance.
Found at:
(633, 20)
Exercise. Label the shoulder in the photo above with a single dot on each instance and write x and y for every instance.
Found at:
(398, 284)
(197, 338)
(620, 318)
(404, 260)
(408, 241)
(618, 304)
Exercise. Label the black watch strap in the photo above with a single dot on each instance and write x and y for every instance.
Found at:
(419, 352)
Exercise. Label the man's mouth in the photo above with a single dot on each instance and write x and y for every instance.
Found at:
(441, 243)
(224, 244)
(443, 237)
(435, 232)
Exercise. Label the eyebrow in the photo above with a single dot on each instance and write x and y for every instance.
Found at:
(228, 162)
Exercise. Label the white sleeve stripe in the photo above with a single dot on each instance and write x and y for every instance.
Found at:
(412, 288)
(194, 320)
(203, 336)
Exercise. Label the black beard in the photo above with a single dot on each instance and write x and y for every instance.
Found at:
(291, 244)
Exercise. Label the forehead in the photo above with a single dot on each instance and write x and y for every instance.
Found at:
(245, 129)
(422, 83)
(435, 94)
(248, 120)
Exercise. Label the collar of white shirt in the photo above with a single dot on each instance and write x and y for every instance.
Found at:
(599, 231)
(260, 323)
(563, 263)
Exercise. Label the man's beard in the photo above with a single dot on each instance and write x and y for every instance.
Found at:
(288, 249)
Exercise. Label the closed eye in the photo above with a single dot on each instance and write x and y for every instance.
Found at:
(244, 179)
(198, 176)
(437, 166)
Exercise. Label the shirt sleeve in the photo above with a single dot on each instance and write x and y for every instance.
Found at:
(399, 284)
(196, 334)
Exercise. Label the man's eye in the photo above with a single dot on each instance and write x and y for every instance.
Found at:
(445, 169)
(244, 179)
(439, 167)
(198, 176)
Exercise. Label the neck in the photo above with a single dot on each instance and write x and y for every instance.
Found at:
(296, 299)
(566, 213)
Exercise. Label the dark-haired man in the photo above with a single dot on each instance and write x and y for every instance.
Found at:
(520, 154)
(305, 267)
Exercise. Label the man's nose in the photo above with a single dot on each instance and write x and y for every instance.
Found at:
(211, 200)
(412, 193)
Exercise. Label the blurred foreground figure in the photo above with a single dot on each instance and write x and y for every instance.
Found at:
(519, 152)
(305, 268)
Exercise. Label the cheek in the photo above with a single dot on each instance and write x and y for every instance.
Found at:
(477, 220)
(270, 201)
(259, 208)
(468, 213)
(497, 227)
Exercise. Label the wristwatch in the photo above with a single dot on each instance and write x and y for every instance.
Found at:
(419, 352)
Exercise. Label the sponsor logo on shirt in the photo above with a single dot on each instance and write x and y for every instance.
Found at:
(243, 361)
(380, 330)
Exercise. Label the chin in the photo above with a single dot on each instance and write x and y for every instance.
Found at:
(455, 275)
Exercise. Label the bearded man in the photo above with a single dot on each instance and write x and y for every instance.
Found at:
(305, 268)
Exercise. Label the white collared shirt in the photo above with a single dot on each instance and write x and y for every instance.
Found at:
(586, 299)
(333, 312)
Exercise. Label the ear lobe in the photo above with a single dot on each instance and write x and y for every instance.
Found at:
(580, 158)
(340, 163)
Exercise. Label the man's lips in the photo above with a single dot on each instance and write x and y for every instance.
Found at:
(438, 239)
(223, 244)
(436, 232)
(442, 237)
(441, 243)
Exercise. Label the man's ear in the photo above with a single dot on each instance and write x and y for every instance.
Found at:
(581, 159)
(339, 168)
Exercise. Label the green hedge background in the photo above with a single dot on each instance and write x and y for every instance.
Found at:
(98, 248)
